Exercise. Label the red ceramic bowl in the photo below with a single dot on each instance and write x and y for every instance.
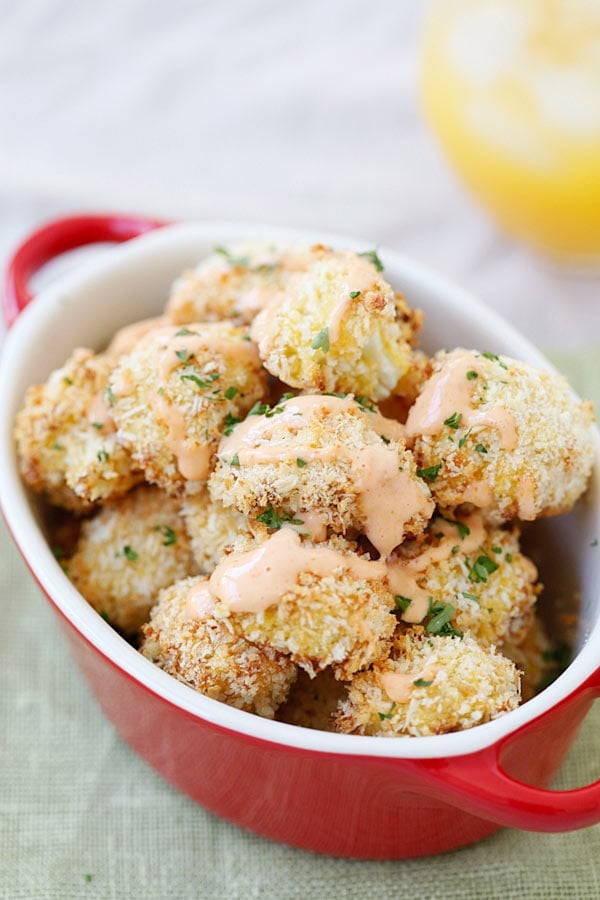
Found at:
(338, 794)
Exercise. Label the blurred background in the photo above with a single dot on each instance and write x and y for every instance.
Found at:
(465, 134)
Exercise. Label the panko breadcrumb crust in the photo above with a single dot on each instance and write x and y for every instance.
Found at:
(450, 683)
(207, 655)
(63, 453)
(127, 553)
(543, 474)
(211, 529)
(339, 326)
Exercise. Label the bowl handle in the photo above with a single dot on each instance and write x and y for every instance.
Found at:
(59, 236)
(480, 785)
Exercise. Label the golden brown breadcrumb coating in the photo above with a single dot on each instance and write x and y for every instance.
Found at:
(234, 282)
(66, 443)
(176, 392)
(211, 528)
(339, 326)
(205, 653)
(501, 435)
(331, 463)
(475, 568)
(431, 685)
(127, 553)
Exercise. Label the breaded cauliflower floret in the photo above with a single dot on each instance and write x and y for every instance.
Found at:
(127, 553)
(234, 282)
(66, 440)
(470, 574)
(501, 435)
(329, 463)
(312, 701)
(205, 653)
(539, 659)
(432, 685)
(211, 528)
(176, 392)
(339, 326)
(321, 604)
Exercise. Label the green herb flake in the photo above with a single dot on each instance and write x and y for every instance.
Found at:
(453, 421)
(169, 535)
(385, 439)
(161, 391)
(495, 358)
(482, 567)
(496, 549)
(373, 258)
(230, 423)
(422, 682)
(259, 409)
(109, 395)
(234, 461)
(508, 557)
(388, 714)
(58, 552)
(472, 374)
(480, 448)
(463, 439)
(430, 473)
(104, 615)
(271, 518)
(184, 355)
(321, 341)
(98, 425)
(365, 403)
(470, 596)
(129, 554)
(455, 550)
(183, 332)
(402, 602)
(440, 622)
(242, 261)
(354, 294)
(103, 456)
(202, 383)
(67, 380)
(231, 392)
(57, 446)
(301, 463)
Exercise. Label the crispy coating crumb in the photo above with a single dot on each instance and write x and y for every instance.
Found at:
(175, 394)
(479, 570)
(339, 326)
(539, 659)
(205, 653)
(519, 445)
(127, 553)
(328, 463)
(340, 619)
(432, 685)
(211, 529)
(66, 442)
(234, 283)
(312, 701)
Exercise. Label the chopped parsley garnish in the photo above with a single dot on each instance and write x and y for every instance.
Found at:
(230, 423)
(430, 473)
(67, 380)
(472, 374)
(463, 439)
(365, 403)
(482, 567)
(57, 446)
(455, 549)
(103, 456)
(98, 425)
(495, 358)
(58, 552)
(470, 596)
(480, 448)
(385, 439)
(183, 332)
(354, 294)
(508, 557)
(184, 355)
(201, 382)
(231, 392)
(271, 518)
(129, 554)
(402, 602)
(259, 409)
(321, 341)
(301, 463)
(242, 261)
(169, 535)
(453, 421)
(246, 336)
(235, 460)
(422, 682)
(109, 395)
(373, 258)
(388, 714)
(496, 549)
(340, 394)
(440, 622)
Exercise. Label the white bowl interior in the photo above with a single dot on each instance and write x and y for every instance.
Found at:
(132, 283)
